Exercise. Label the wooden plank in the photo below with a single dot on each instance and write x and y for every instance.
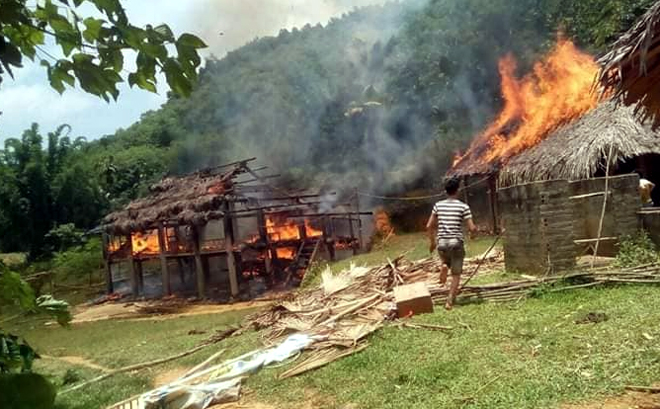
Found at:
(167, 288)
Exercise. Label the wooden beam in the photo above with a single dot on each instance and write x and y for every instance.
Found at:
(199, 268)
(229, 247)
(586, 241)
(167, 288)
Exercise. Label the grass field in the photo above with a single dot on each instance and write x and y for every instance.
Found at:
(530, 354)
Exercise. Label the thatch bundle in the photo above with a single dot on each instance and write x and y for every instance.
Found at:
(578, 150)
(631, 70)
(192, 199)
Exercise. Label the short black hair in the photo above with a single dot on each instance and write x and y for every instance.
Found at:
(452, 185)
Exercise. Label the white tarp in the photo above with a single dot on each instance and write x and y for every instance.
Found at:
(225, 379)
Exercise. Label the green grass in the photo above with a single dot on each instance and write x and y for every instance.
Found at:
(537, 355)
(117, 343)
(533, 352)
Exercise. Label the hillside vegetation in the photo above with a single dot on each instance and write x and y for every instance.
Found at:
(380, 98)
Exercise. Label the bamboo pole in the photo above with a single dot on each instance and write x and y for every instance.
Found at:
(602, 213)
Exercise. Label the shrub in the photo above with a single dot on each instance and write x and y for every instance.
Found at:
(79, 261)
(637, 250)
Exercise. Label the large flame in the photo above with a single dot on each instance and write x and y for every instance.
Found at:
(310, 231)
(557, 91)
(146, 243)
(286, 253)
(280, 229)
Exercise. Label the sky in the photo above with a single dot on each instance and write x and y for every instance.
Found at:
(224, 25)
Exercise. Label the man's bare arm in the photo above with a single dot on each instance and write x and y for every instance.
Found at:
(431, 228)
(471, 226)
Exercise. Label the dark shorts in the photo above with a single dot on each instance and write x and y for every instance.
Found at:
(453, 257)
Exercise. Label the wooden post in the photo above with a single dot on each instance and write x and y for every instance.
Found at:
(329, 237)
(229, 247)
(109, 287)
(357, 210)
(162, 247)
(182, 271)
(140, 275)
(199, 268)
(352, 233)
(602, 213)
(135, 289)
(492, 195)
(263, 235)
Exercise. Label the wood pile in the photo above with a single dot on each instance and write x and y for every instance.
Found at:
(349, 306)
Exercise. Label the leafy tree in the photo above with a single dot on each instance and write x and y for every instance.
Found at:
(93, 47)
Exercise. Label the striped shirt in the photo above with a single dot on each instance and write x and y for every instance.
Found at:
(451, 214)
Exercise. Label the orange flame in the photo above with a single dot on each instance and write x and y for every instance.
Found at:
(556, 92)
(311, 231)
(286, 253)
(145, 243)
(284, 229)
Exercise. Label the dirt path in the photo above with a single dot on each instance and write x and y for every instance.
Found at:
(629, 400)
(78, 361)
(135, 311)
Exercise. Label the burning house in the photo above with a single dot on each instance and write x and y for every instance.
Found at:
(225, 231)
(630, 70)
(555, 93)
(549, 158)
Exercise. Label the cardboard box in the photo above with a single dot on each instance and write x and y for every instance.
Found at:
(413, 299)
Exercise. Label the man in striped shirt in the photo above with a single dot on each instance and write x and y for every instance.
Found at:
(445, 227)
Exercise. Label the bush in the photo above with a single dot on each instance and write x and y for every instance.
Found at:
(79, 261)
(26, 391)
(637, 250)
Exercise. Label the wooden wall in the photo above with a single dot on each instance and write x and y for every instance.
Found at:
(543, 220)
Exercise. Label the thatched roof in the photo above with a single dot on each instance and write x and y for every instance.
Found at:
(631, 70)
(191, 199)
(577, 150)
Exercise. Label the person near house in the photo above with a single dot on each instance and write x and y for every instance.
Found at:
(445, 228)
(645, 189)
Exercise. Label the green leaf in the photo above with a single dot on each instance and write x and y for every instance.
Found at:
(154, 50)
(176, 78)
(93, 29)
(56, 308)
(190, 40)
(60, 24)
(165, 32)
(10, 56)
(117, 60)
(142, 82)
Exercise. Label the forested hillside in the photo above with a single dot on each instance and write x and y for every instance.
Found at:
(380, 98)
